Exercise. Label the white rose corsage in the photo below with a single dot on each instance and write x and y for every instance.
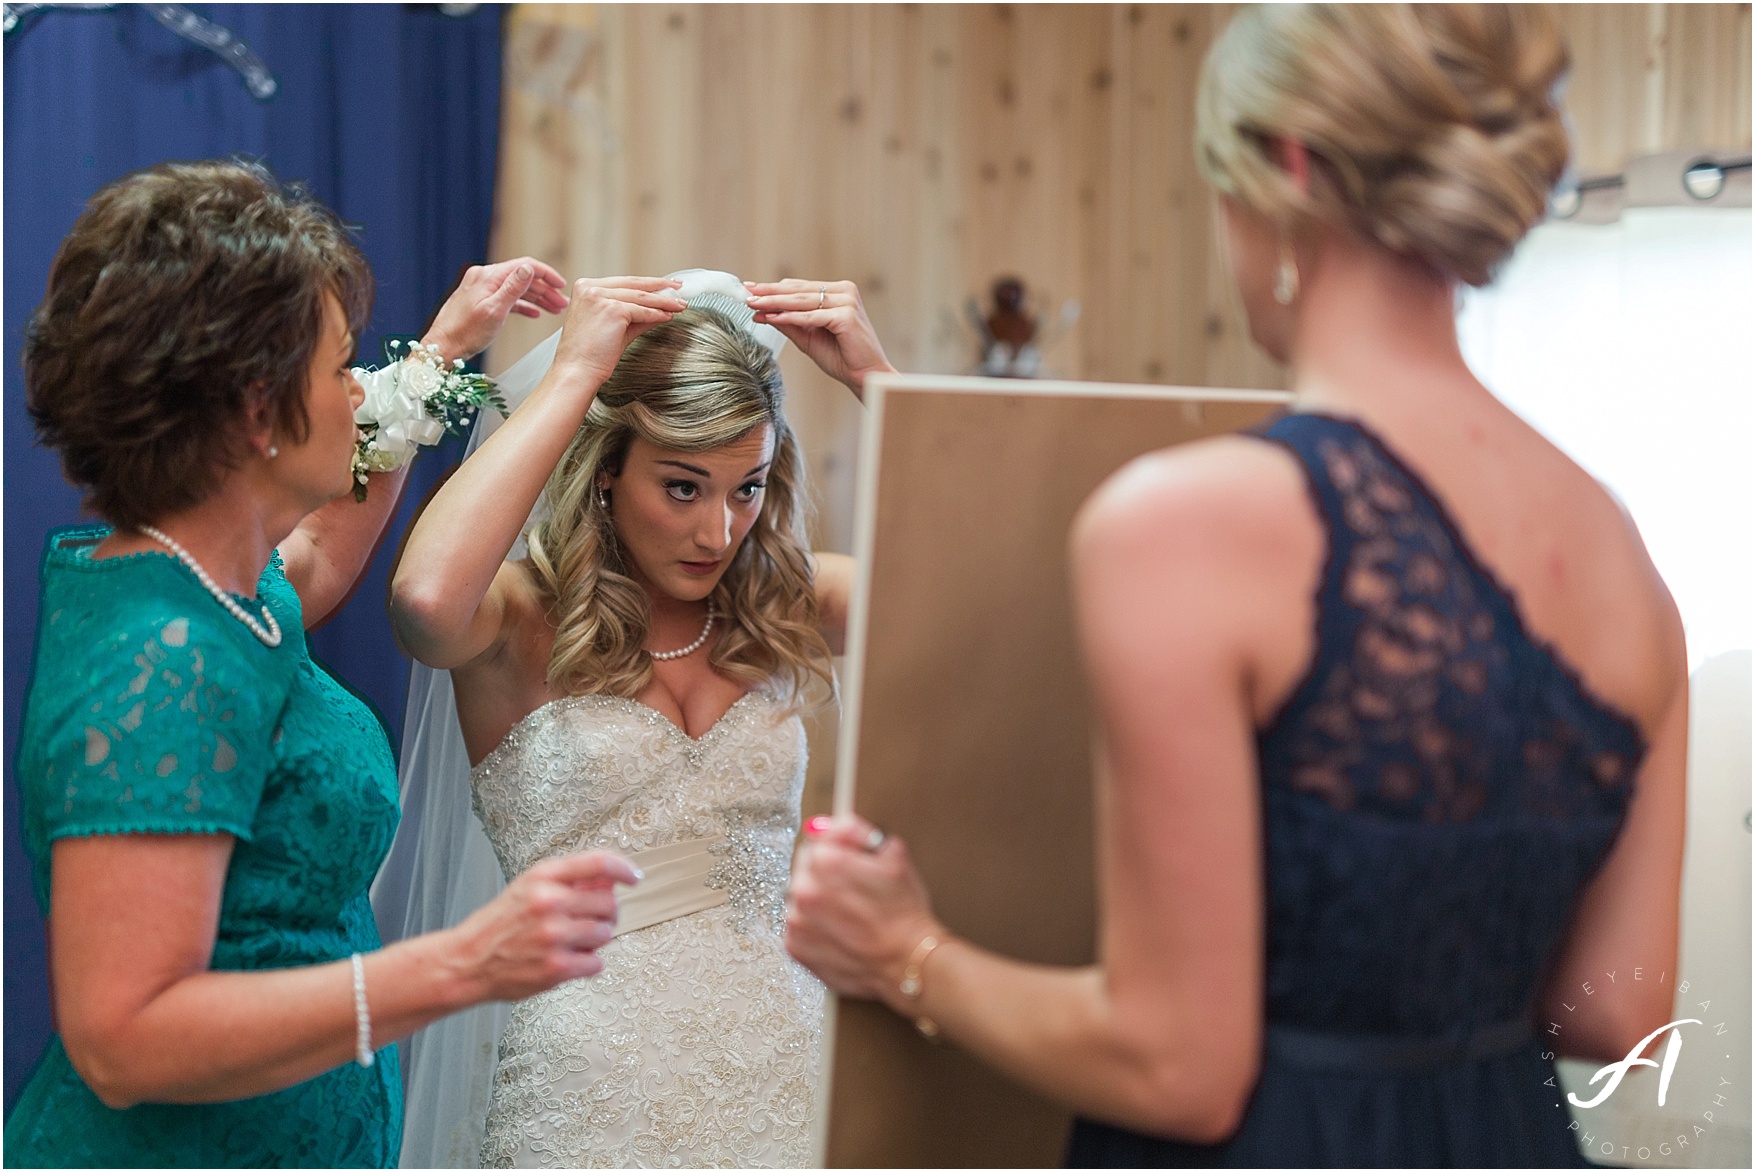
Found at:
(414, 401)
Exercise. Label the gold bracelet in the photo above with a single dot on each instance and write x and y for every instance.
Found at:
(912, 985)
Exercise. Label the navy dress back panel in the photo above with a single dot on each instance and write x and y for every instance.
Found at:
(1436, 793)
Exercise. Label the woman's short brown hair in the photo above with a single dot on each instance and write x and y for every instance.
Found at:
(187, 296)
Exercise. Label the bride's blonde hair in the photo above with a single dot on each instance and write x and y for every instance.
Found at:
(693, 383)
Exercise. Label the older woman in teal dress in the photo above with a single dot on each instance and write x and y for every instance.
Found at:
(203, 806)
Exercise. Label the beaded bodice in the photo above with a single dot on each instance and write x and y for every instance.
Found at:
(1439, 787)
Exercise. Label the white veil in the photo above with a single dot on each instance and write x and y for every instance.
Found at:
(442, 867)
(450, 870)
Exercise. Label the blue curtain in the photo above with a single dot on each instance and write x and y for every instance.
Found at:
(390, 112)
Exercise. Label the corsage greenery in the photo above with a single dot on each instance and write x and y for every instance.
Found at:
(414, 401)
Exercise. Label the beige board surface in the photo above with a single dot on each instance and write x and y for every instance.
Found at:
(968, 726)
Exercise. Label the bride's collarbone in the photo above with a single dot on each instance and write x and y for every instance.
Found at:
(508, 686)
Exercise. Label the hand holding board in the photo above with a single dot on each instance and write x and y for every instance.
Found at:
(966, 726)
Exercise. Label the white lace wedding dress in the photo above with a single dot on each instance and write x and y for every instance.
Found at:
(698, 1043)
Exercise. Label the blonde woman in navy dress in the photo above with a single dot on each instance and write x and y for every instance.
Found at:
(1393, 702)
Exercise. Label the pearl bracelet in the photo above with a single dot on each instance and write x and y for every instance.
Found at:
(362, 1015)
(912, 985)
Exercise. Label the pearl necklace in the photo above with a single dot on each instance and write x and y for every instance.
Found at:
(270, 635)
(692, 647)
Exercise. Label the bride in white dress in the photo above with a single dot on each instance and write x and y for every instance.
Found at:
(631, 680)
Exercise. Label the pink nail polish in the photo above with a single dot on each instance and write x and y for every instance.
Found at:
(816, 825)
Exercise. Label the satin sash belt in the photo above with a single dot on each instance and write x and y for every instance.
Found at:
(1392, 1053)
(675, 884)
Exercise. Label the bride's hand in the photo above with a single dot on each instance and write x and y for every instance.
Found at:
(855, 915)
(827, 320)
(543, 929)
(471, 317)
(605, 315)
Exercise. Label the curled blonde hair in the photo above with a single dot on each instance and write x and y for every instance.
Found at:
(1436, 125)
(693, 383)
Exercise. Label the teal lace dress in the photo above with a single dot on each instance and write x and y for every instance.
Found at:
(153, 711)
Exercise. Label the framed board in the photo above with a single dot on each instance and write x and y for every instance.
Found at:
(966, 726)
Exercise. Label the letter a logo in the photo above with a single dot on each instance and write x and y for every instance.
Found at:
(1618, 1070)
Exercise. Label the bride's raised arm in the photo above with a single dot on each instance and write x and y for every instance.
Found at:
(447, 598)
(828, 322)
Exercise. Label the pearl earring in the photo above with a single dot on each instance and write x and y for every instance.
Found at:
(273, 451)
(603, 498)
(1286, 278)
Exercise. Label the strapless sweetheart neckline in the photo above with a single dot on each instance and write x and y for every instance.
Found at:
(653, 716)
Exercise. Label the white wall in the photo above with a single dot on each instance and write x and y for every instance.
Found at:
(1627, 344)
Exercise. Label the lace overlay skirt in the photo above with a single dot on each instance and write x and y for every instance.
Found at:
(697, 1046)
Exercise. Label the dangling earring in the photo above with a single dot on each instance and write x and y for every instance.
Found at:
(1286, 278)
(603, 498)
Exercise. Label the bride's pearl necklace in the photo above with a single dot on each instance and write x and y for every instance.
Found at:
(269, 635)
(692, 647)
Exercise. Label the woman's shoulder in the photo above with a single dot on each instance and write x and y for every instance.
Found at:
(103, 617)
(1214, 492)
(1198, 563)
(1220, 531)
(151, 707)
(1612, 620)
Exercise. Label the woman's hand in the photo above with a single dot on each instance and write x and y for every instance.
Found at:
(827, 320)
(546, 927)
(145, 1019)
(854, 916)
(605, 315)
(472, 316)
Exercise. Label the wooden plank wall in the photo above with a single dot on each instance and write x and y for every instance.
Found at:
(922, 150)
(1656, 77)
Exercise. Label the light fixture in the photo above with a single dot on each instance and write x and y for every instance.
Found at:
(1705, 178)
(1566, 201)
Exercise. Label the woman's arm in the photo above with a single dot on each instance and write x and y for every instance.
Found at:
(144, 1019)
(833, 580)
(325, 556)
(446, 600)
(1179, 564)
(1628, 916)
(826, 320)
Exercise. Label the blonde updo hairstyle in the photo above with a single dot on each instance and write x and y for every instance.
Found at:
(693, 383)
(1434, 127)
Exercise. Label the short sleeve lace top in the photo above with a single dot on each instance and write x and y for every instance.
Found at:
(152, 710)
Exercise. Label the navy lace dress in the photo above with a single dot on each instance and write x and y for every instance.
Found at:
(1436, 793)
